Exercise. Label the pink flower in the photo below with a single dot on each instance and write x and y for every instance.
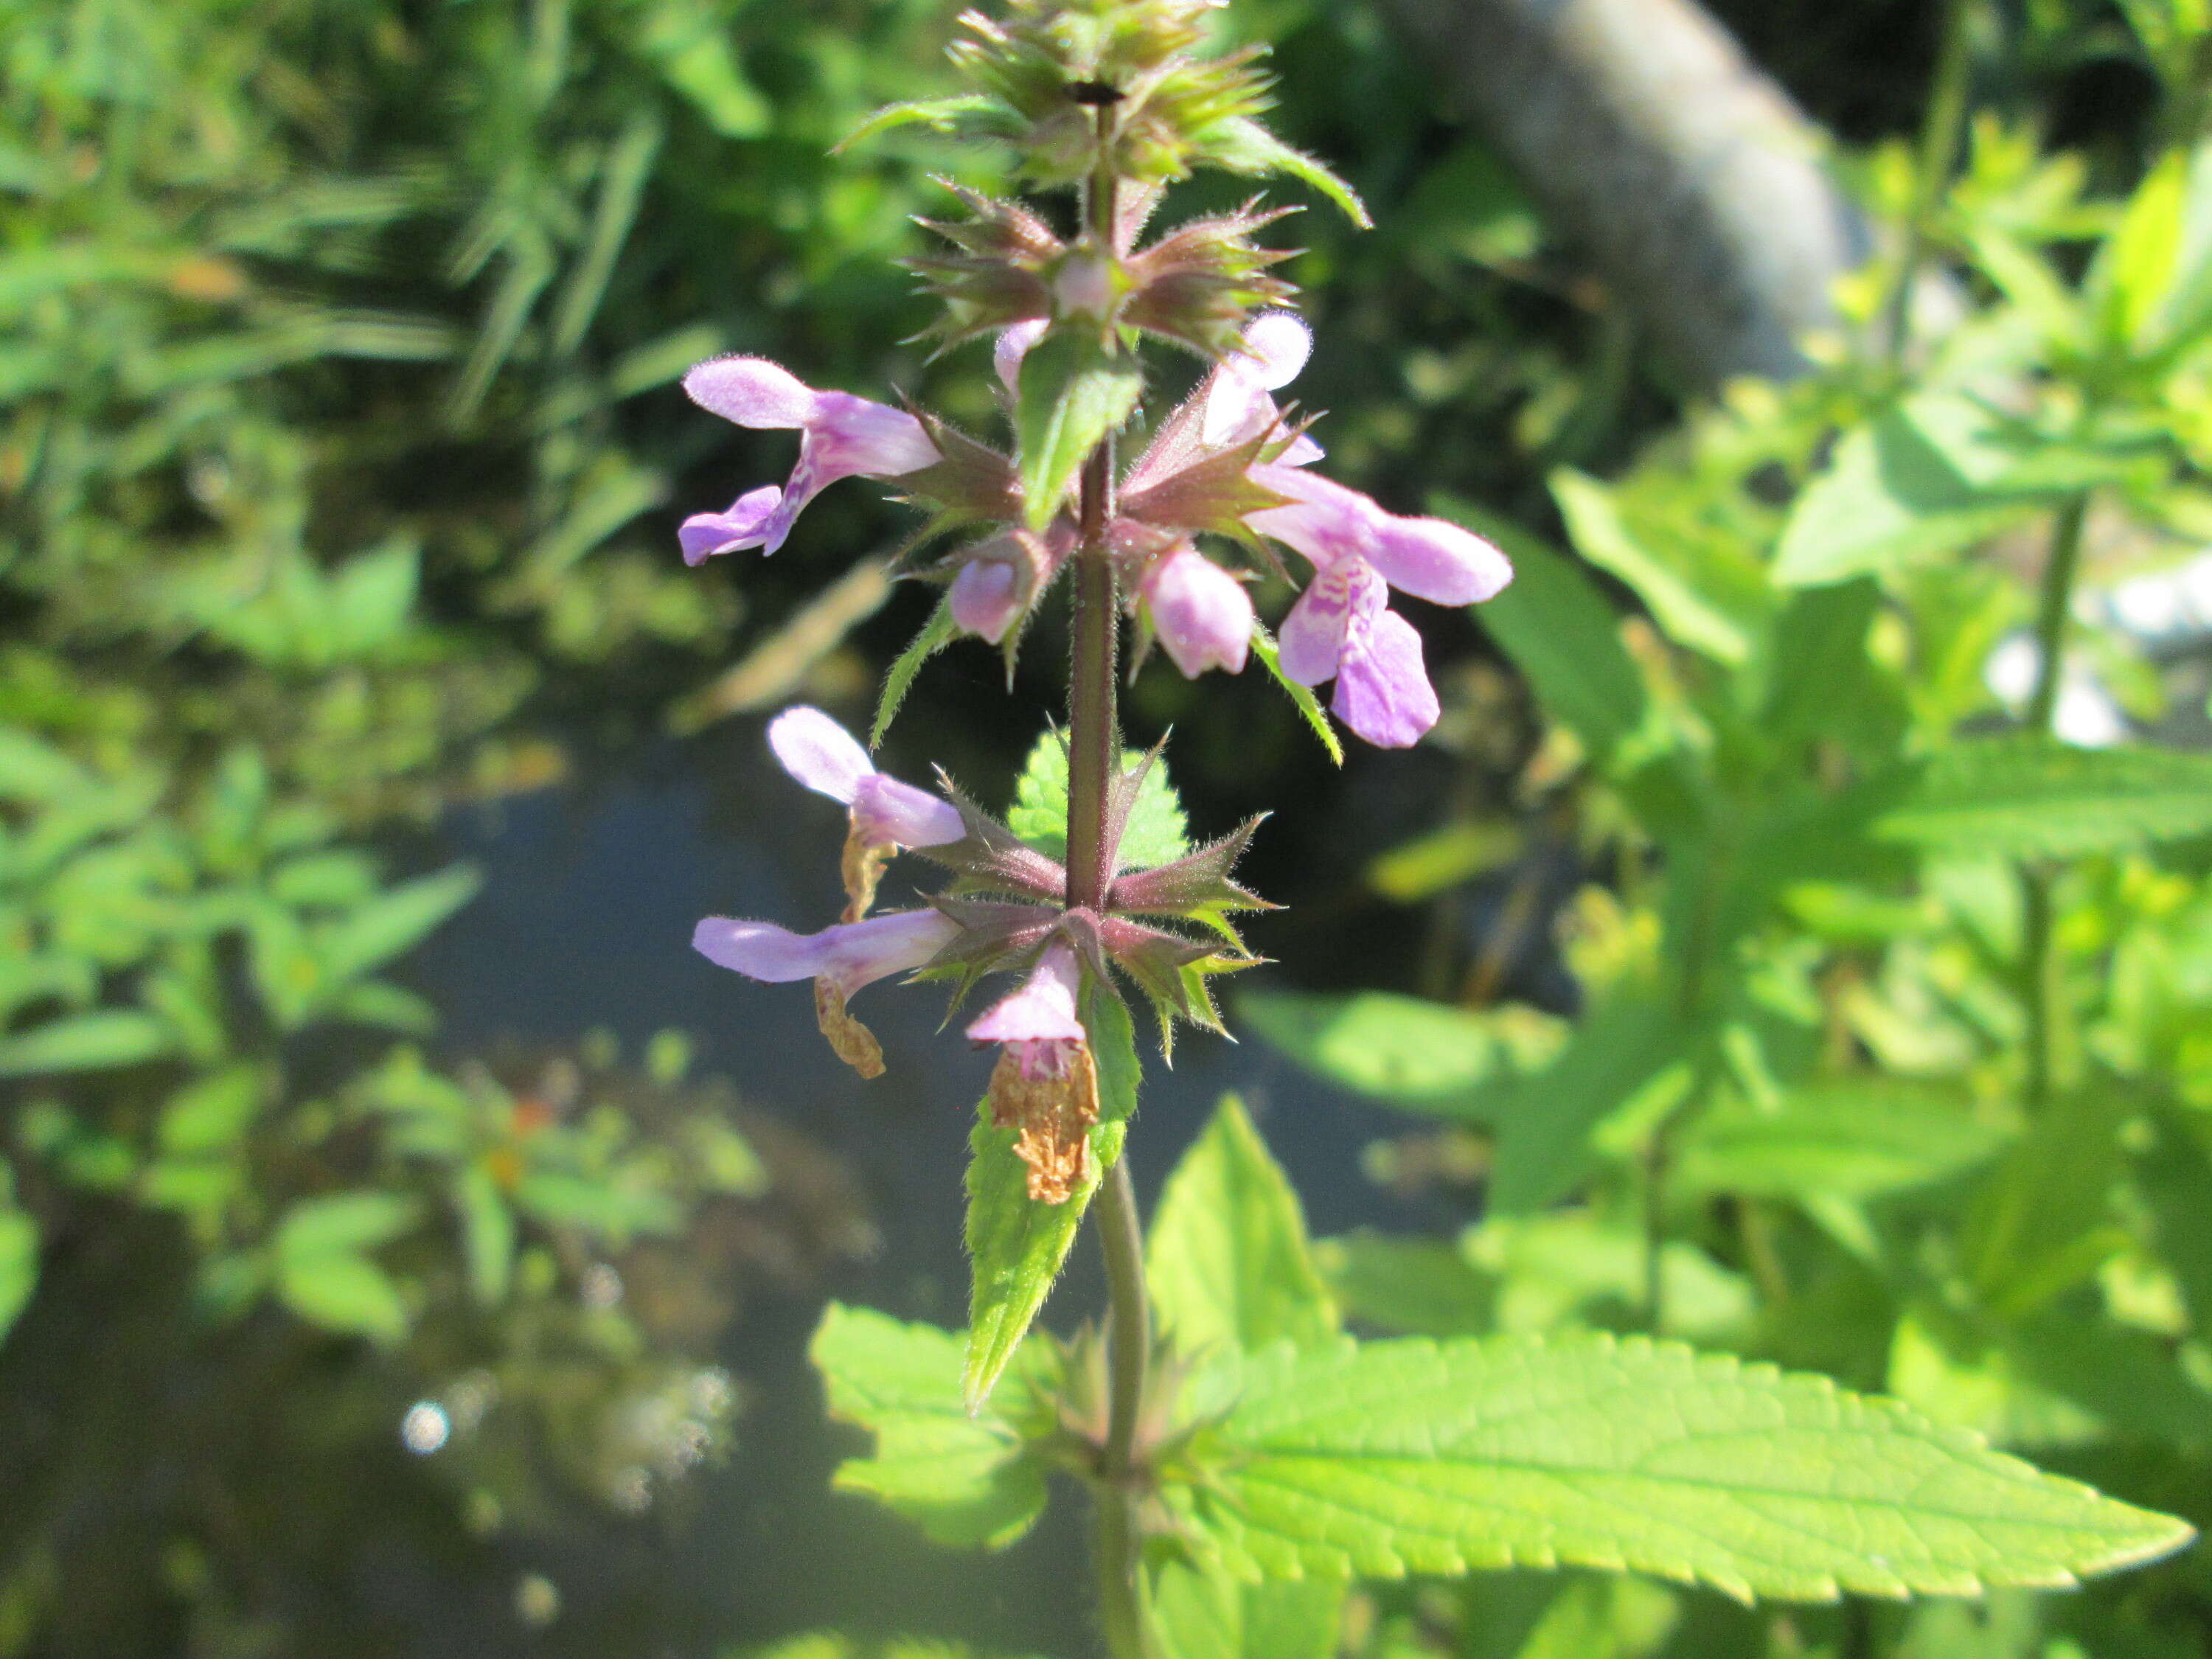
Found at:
(1203, 614)
(1274, 348)
(1340, 628)
(1037, 1021)
(1000, 579)
(840, 960)
(842, 436)
(847, 956)
(828, 760)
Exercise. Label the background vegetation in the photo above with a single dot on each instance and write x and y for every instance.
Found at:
(339, 460)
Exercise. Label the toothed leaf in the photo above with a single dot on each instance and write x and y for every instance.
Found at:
(1414, 1456)
(1017, 1243)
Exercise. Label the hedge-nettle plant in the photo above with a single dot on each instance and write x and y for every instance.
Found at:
(1246, 1455)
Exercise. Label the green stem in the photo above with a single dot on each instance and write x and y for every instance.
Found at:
(2039, 967)
(1940, 133)
(1120, 1541)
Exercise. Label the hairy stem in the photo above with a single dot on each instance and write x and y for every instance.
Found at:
(1130, 1345)
(2039, 953)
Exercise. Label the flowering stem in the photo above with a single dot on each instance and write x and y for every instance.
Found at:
(2039, 954)
(1121, 1607)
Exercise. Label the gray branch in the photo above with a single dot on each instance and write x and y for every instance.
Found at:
(1687, 176)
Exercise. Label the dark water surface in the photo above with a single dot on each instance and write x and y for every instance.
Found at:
(584, 920)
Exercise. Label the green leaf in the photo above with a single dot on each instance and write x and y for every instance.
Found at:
(1416, 1286)
(830, 1644)
(1405, 1051)
(1072, 395)
(1227, 1257)
(1302, 696)
(86, 1043)
(1155, 834)
(1936, 473)
(1240, 144)
(1016, 1245)
(2044, 1220)
(939, 631)
(1411, 1457)
(1560, 630)
(1857, 1139)
(690, 44)
(344, 1291)
(32, 770)
(2137, 265)
(487, 1231)
(211, 1114)
(1686, 616)
(19, 1264)
(393, 924)
(1197, 1615)
(959, 1473)
(344, 1222)
(1544, 1126)
(2022, 798)
(942, 114)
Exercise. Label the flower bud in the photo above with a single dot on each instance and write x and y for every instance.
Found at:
(1203, 614)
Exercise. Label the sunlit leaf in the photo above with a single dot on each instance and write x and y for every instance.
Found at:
(1227, 1256)
(957, 1472)
(1411, 1457)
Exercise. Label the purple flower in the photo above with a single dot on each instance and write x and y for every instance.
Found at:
(1340, 628)
(840, 960)
(885, 814)
(1000, 579)
(1237, 409)
(1203, 614)
(1037, 1022)
(842, 436)
(828, 760)
(848, 956)
(1013, 345)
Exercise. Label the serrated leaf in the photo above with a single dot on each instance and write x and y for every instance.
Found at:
(2022, 798)
(1560, 630)
(19, 1264)
(1197, 1615)
(939, 631)
(1240, 144)
(1302, 696)
(1016, 1243)
(1155, 834)
(1411, 1457)
(1072, 394)
(957, 1473)
(1227, 1257)
(86, 1043)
